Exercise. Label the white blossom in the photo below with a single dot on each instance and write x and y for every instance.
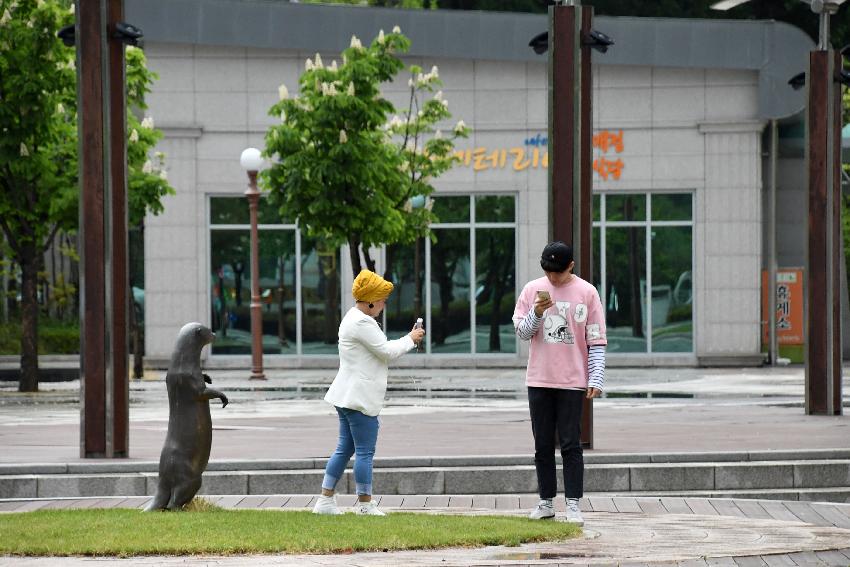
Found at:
(343, 137)
(147, 123)
(283, 92)
(445, 103)
(60, 108)
(282, 117)
(350, 91)
(134, 136)
(381, 38)
(333, 66)
(396, 122)
(396, 29)
(30, 24)
(410, 82)
(148, 167)
(429, 204)
(163, 175)
(308, 65)
(355, 43)
(24, 151)
(435, 72)
(408, 206)
(72, 9)
(329, 89)
(460, 126)
(438, 135)
(6, 17)
(319, 64)
(344, 59)
(410, 146)
(39, 3)
(159, 155)
(439, 96)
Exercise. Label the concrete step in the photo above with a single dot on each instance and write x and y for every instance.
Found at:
(817, 477)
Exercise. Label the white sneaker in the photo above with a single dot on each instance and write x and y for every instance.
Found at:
(573, 513)
(543, 511)
(367, 509)
(326, 505)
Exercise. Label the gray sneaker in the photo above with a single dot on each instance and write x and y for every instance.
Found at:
(573, 513)
(544, 511)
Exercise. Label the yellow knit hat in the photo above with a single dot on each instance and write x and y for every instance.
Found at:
(369, 286)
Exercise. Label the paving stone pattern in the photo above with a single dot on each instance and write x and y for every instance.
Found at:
(627, 531)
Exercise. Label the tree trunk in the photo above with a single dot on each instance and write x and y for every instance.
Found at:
(29, 320)
(354, 254)
(370, 263)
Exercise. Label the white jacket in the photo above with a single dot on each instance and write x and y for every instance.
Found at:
(364, 353)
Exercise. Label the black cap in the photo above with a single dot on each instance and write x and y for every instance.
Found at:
(556, 257)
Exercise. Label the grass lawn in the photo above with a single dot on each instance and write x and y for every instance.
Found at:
(131, 532)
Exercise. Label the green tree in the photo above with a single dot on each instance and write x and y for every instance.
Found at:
(38, 147)
(342, 166)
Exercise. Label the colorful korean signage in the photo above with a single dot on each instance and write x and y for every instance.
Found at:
(533, 154)
(789, 306)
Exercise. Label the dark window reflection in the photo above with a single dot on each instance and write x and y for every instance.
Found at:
(451, 209)
(672, 289)
(671, 207)
(320, 297)
(625, 207)
(450, 275)
(494, 292)
(406, 269)
(495, 208)
(625, 268)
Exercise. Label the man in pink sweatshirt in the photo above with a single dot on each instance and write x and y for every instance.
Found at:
(562, 316)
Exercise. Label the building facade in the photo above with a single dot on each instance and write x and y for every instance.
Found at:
(679, 113)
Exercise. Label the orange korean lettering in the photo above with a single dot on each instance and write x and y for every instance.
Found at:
(464, 156)
(606, 168)
(606, 140)
(484, 161)
(545, 159)
(521, 162)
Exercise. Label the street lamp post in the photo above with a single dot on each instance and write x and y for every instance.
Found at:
(251, 161)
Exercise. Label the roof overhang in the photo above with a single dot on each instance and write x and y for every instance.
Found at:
(775, 50)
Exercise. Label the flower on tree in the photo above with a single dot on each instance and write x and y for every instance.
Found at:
(350, 91)
(283, 92)
(308, 65)
(333, 66)
(343, 137)
(148, 167)
(24, 151)
(319, 64)
(396, 29)
(460, 126)
(147, 123)
(355, 43)
(134, 136)
(163, 175)
(381, 38)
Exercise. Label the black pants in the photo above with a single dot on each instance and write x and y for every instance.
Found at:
(555, 414)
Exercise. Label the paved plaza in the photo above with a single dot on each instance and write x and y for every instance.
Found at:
(482, 413)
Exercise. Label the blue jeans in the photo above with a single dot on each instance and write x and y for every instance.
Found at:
(358, 434)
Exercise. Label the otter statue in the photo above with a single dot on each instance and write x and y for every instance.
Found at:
(187, 445)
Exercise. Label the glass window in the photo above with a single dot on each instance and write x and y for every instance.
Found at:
(625, 207)
(625, 278)
(229, 210)
(451, 209)
(494, 208)
(450, 279)
(671, 207)
(672, 289)
(494, 292)
(406, 269)
(320, 298)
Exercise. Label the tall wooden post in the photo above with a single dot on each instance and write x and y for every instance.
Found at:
(104, 297)
(824, 256)
(570, 138)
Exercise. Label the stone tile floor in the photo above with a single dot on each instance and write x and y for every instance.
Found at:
(685, 532)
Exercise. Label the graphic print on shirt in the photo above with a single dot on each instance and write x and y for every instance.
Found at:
(580, 313)
(556, 326)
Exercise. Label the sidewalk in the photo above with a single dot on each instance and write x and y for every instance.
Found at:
(474, 413)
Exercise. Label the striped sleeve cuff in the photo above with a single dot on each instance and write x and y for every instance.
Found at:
(596, 367)
(529, 326)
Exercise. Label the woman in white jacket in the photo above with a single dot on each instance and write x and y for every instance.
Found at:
(358, 390)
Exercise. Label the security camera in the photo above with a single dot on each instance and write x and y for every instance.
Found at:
(67, 35)
(540, 43)
(597, 40)
(127, 33)
(798, 81)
